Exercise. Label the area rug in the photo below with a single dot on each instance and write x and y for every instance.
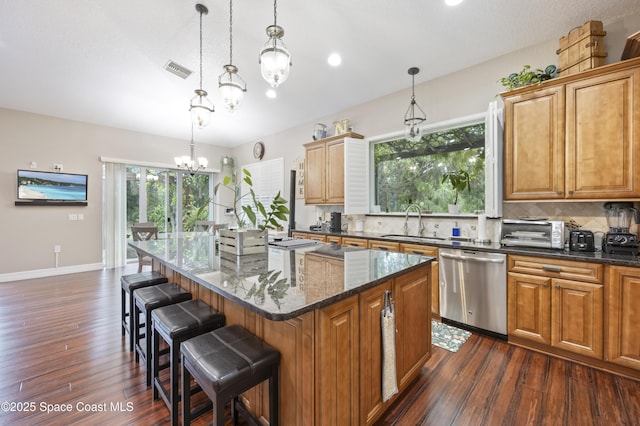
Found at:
(448, 337)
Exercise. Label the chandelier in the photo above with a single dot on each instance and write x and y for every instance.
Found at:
(232, 86)
(414, 116)
(201, 107)
(189, 162)
(275, 59)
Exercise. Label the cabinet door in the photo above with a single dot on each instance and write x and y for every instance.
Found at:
(534, 145)
(623, 345)
(577, 324)
(603, 143)
(314, 174)
(337, 372)
(334, 185)
(412, 295)
(371, 304)
(529, 310)
(435, 274)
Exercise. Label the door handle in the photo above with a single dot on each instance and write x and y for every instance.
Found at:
(551, 269)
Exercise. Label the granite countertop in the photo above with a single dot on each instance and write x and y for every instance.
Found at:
(496, 247)
(280, 284)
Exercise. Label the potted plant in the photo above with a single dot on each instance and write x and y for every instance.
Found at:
(242, 240)
(459, 181)
(525, 77)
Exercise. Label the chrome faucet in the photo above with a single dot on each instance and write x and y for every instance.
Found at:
(406, 219)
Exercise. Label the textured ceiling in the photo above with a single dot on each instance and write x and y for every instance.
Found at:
(102, 61)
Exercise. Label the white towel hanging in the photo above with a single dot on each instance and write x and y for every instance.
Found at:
(388, 325)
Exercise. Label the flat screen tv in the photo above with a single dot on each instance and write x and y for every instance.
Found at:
(49, 186)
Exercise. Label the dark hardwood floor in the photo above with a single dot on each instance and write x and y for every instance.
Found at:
(61, 349)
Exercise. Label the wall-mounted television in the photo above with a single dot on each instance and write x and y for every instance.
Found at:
(38, 186)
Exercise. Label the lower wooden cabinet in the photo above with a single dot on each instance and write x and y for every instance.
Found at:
(563, 314)
(623, 345)
(355, 242)
(435, 274)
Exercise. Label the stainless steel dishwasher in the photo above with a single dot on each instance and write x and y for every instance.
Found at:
(473, 289)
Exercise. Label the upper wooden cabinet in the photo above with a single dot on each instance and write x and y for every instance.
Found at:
(575, 137)
(324, 170)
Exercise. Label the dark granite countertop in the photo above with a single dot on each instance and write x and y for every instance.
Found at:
(280, 284)
(496, 247)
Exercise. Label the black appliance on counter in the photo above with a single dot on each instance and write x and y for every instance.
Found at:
(336, 222)
(581, 241)
(619, 240)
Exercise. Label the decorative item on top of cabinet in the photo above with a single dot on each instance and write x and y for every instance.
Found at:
(595, 157)
(324, 170)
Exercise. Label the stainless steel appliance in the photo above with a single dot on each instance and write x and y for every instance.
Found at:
(473, 289)
(580, 240)
(619, 240)
(336, 222)
(533, 233)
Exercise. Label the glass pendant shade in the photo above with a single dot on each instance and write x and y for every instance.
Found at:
(275, 59)
(201, 109)
(232, 87)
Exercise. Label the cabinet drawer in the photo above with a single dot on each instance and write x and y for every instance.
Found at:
(354, 242)
(555, 268)
(334, 239)
(419, 249)
(384, 245)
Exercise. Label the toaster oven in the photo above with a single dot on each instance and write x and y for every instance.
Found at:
(533, 233)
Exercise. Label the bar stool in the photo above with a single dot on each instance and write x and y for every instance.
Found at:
(175, 324)
(225, 363)
(129, 284)
(146, 300)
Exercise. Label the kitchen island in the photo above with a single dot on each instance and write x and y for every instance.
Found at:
(320, 306)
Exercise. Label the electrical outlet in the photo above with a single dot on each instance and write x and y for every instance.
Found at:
(73, 216)
(57, 167)
(80, 216)
(57, 248)
(33, 165)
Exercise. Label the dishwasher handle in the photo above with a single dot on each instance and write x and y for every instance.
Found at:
(472, 258)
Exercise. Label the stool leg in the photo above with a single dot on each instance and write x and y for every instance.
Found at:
(174, 354)
(274, 392)
(131, 324)
(155, 355)
(234, 411)
(186, 395)
(218, 411)
(134, 322)
(147, 341)
(123, 310)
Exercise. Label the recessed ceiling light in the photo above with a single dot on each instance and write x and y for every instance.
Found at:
(271, 94)
(334, 60)
(452, 2)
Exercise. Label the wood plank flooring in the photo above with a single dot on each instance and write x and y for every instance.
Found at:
(61, 349)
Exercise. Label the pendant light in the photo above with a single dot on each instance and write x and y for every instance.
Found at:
(232, 86)
(189, 162)
(201, 107)
(414, 116)
(275, 59)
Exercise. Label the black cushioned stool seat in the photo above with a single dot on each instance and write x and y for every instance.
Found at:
(129, 284)
(146, 300)
(175, 324)
(225, 363)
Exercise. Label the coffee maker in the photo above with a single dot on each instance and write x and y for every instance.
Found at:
(336, 222)
(619, 240)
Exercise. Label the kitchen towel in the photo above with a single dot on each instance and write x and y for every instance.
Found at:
(482, 227)
(388, 325)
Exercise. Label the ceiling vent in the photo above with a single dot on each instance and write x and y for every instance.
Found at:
(177, 69)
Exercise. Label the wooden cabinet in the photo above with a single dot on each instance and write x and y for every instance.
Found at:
(556, 303)
(334, 239)
(384, 245)
(435, 274)
(355, 242)
(308, 236)
(576, 137)
(623, 300)
(324, 170)
(410, 293)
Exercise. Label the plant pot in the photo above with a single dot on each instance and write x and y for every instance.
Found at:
(453, 209)
(241, 242)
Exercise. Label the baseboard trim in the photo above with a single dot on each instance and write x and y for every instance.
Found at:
(41, 273)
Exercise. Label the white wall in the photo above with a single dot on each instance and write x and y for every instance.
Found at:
(462, 93)
(28, 234)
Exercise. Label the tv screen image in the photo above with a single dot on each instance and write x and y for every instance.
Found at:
(37, 185)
